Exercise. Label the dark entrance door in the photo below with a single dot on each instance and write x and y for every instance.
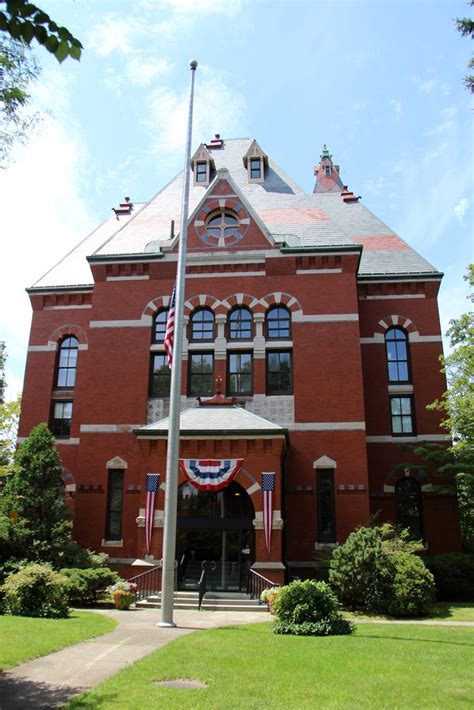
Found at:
(215, 531)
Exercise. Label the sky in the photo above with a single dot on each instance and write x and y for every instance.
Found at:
(380, 82)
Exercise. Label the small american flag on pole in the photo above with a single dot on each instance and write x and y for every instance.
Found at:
(268, 487)
(152, 483)
(169, 331)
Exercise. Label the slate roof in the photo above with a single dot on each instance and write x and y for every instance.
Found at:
(221, 419)
(291, 215)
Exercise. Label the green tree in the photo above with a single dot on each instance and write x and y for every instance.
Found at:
(33, 502)
(465, 26)
(18, 69)
(3, 385)
(24, 21)
(9, 417)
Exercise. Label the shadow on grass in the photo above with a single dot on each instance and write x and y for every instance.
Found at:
(438, 642)
(19, 693)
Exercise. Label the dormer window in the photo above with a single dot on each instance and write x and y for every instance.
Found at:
(255, 161)
(201, 172)
(202, 165)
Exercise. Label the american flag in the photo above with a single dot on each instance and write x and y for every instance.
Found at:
(152, 483)
(169, 331)
(268, 486)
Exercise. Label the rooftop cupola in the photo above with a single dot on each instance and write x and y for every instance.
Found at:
(327, 174)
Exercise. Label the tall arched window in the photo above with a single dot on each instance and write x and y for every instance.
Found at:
(202, 325)
(278, 323)
(240, 324)
(159, 326)
(408, 507)
(396, 346)
(67, 362)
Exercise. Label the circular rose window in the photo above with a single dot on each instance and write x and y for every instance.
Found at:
(220, 224)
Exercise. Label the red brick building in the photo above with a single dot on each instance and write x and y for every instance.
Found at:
(314, 322)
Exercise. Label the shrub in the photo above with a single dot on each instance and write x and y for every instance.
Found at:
(413, 589)
(308, 608)
(36, 590)
(83, 585)
(453, 575)
(377, 569)
(357, 570)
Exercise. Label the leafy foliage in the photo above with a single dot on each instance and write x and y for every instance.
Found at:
(453, 575)
(377, 569)
(2, 345)
(465, 25)
(9, 417)
(24, 21)
(36, 590)
(412, 588)
(84, 585)
(308, 608)
(33, 501)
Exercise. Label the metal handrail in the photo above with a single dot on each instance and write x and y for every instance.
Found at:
(257, 583)
(148, 583)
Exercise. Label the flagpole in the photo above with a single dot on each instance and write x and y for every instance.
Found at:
(171, 491)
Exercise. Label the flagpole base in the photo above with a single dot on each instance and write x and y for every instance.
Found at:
(166, 624)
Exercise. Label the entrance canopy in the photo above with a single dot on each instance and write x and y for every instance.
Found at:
(218, 421)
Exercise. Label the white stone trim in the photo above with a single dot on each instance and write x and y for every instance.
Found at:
(325, 426)
(299, 317)
(277, 521)
(67, 308)
(417, 338)
(112, 543)
(50, 347)
(253, 489)
(376, 339)
(158, 519)
(107, 428)
(324, 462)
(71, 442)
(225, 275)
(144, 277)
(391, 297)
(144, 322)
(116, 462)
(400, 389)
(406, 439)
(302, 272)
(268, 565)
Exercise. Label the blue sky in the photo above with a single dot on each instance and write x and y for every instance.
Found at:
(379, 82)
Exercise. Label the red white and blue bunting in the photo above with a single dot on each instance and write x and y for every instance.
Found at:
(268, 487)
(210, 475)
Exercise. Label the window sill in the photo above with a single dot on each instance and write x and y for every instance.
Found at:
(112, 543)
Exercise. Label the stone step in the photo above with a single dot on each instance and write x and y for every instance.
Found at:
(215, 601)
(206, 606)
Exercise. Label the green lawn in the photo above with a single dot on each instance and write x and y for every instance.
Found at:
(444, 611)
(23, 638)
(380, 666)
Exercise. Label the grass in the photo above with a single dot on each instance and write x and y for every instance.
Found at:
(444, 611)
(23, 638)
(380, 666)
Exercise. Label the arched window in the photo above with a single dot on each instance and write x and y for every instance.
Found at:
(396, 346)
(159, 326)
(278, 323)
(408, 507)
(67, 362)
(202, 325)
(240, 324)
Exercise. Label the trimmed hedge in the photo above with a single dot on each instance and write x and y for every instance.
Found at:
(341, 627)
(84, 585)
(453, 575)
(412, 588)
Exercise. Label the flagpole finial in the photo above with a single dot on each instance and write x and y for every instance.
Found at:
(193, 64)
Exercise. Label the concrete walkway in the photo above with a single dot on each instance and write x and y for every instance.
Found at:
(50, 681)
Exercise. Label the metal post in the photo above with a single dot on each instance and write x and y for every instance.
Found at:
(171, 495)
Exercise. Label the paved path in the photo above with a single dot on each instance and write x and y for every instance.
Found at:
(50, 681)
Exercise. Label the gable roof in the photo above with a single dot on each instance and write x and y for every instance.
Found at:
(290, 215)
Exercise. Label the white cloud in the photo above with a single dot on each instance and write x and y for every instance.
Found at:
(397, 106)
(217, 109)
(461, 208)
(43, 215)
(427, 86)
(114, 34)
(141, 71)
(230, 8)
